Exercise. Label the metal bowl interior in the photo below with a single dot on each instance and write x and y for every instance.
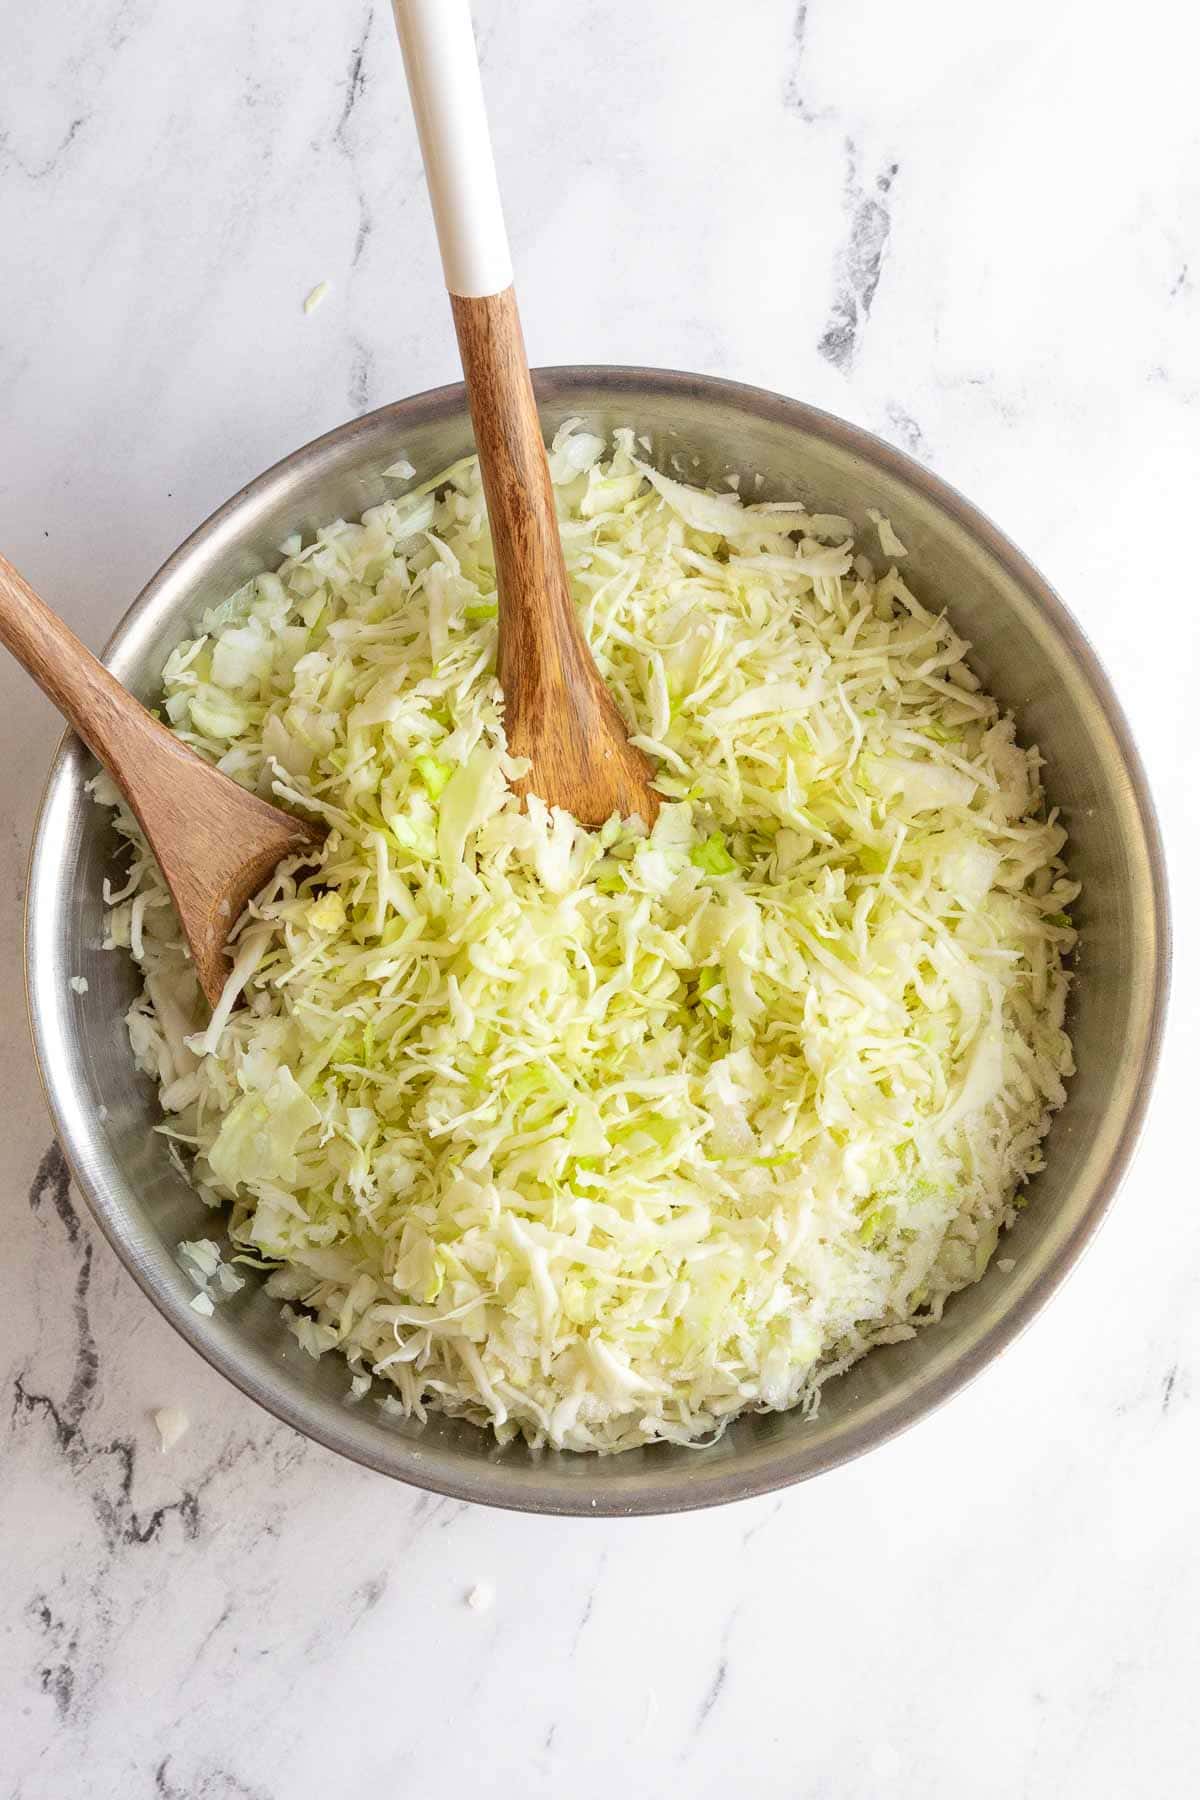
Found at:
(1028, 651)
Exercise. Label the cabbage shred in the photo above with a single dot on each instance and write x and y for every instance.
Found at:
(600, 1137)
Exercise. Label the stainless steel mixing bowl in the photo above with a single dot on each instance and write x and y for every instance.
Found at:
(1029, 652)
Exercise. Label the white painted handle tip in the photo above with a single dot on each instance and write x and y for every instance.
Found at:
(442, 66)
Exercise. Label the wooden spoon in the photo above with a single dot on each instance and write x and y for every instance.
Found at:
(215, 843)
(557, 710)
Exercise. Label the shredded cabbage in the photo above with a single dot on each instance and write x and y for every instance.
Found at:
(171, 1423)
(601, 1137)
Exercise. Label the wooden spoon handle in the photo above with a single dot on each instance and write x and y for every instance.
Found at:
(542, 657)
(557, 710)
(107, 718)
(442, 67)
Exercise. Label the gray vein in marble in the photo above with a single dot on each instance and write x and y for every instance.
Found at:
(589, 1604)
(111, 1505)
(114, 1511)
(716, 1686)
(343, 134)
(1187, 393)
(218, 1625)
(907, 430)
(1003, 406)
(124, 23)
(331, 1633)
(75, 1636)
(714, 1692)
(210, 1783)
(55, 1677)
(433, 1509)
(356, 79)
(588, 1608)
(65, 1418)
(34, 171)
(54, 1177)
(859, 261)
(362, 367)
(369, 1593)
(794, 92)
(761, 1525)
(485, 30)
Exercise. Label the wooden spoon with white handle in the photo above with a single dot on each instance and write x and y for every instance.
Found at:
(557, 710)
(215, 843)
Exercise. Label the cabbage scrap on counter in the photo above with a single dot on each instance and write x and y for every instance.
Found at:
(600, 1137)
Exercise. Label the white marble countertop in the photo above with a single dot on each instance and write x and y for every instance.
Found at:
(975, 231)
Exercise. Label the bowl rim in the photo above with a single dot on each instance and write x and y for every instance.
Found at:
(674, 1490)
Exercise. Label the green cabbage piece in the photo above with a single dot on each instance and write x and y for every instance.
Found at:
(712, 857)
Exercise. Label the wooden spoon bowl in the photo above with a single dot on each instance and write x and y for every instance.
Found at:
(215, 842)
